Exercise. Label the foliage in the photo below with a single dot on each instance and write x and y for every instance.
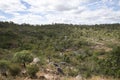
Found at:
(111, 65)
(14, 69)
(32, 70)
(23, 57)
(66, 58)
(86, 48)
(4, 66)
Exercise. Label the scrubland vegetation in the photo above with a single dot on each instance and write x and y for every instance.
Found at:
(60, 51)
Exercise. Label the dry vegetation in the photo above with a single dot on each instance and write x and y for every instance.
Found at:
(59, 52)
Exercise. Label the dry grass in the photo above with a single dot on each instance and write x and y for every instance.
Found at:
(101, 78)
(60, 78)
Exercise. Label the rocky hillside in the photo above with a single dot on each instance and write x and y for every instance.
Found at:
(59, 52)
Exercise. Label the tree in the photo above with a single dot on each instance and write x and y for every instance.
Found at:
(23, 57)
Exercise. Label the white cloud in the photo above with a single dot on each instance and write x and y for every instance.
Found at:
(2, 17)
(119, 3)
(11, 5)
(87, 16)
(54, 5)
(28, 18)
(61, 11)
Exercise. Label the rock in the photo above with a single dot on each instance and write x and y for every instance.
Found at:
(24, 72)
(79, 77)
(61, 54)
(42, 78)
(49, 77)
(55, 64)
(60, 71)
(63, 63)
(27, 78)
(49, 71)
(36, 60)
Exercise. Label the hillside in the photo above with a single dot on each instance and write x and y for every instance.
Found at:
(62, 51)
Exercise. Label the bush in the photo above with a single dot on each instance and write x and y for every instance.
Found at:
(23, 57)
(66, 58)
(87, 74)
(73, 72)
(85, 71)
(32, 70)
(4, 65)
(14, 69)
(111, 65)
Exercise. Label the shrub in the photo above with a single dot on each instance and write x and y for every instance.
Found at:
(66, 58)
(87, 74)
(111, 65)
(85, 71)
(32, 70)
(4, 65)
(73, 72)
(23, 57)
(14, 69)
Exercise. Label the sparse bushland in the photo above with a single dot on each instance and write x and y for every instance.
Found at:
(85, 50)
(111, 65)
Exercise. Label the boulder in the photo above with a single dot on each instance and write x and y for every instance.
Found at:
(36, 60)
(79, 77)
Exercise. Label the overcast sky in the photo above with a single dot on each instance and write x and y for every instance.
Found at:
(60, 11)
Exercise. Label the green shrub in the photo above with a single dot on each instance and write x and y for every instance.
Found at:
(23, 57)
(87, 74)
(4, 65)
(66, 58)
(14, 69)
(111, 65)
(73, 72)
(32, 70)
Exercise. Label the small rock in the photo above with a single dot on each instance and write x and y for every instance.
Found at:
(78, 77)
(36, 60)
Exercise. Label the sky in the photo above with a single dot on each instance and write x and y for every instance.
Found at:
(60, 11)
